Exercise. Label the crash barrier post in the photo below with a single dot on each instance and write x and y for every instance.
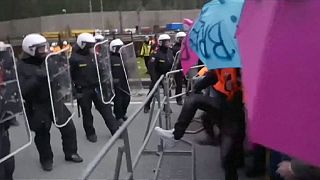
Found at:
(122, 133)
(168, 86)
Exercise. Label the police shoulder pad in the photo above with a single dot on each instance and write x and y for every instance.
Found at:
(82, 65)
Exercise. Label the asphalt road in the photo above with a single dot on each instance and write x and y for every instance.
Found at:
(173, 167)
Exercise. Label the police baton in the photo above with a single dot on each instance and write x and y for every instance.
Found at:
(78, 106)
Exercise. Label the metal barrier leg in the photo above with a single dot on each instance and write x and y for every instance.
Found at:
(128, 153)
(160, 118)
(167, 107)
(194, 175)
(158, 168)
(118, 163)
(150, 118)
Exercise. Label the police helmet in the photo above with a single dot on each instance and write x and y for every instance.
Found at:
(85, 40)
(162, 38)
(98, 37)
(35, 43)
(115, 45)
(65, 43)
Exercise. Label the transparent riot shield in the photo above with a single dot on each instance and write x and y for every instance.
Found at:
(13, 120)
(176, 61)
(60, 87)
(102, 60)
(172, 82)
(129, 61)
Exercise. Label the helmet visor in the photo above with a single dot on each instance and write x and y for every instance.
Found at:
(88, 45)
(179, 39)
(41, 50)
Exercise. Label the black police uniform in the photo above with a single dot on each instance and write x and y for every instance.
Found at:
(6, 167)
(122, 93)
(179, 78)
(161, 63)
(85, 78)
(35, 91)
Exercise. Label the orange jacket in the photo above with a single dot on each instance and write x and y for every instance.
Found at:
(56, 49)
(227, 81)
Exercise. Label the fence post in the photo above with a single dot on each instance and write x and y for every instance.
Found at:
(150, 118)
(160, 147)
(118, 163)
(128, 152)
(167, 107)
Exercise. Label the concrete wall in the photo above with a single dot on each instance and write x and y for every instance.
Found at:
(109, 20)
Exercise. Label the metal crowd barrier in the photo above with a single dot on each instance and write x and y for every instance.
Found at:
(122, 133)
(167, 86)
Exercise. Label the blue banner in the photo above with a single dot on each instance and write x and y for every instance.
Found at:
(213, 34)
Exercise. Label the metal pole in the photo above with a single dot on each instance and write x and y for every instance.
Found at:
(160, 119)
(193, 161)
(145, 142)
(118, 163)
(127, 151)
(120, 20)
(167, 106)
(157, 170)
(150, 118)
(90, 9)
(102, 17)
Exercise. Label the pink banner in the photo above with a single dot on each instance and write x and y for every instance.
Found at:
(280, 47)
(188, 57)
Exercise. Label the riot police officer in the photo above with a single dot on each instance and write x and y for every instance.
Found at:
(85, 78)
(6, 167)
(98, 38)
(122, 93)
(179, 78)
(160, 63)
(35, 91)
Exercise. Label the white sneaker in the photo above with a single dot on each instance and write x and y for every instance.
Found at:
(167, 136)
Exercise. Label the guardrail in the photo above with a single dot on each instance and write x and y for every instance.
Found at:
(122, 133)
(168, 86)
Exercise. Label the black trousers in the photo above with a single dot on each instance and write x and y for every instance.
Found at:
(87, 97)
(208, 122)
(231, 124)
(151, 86)
(6, 167)
(192, 103)
(42, 141)
(121, 102)
(146, 62)
(232, 128)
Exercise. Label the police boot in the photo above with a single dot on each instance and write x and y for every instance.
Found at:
(146, 109)
(92, 138)
(74, 158)
(47, 165)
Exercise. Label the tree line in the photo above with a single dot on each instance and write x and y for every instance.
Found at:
(19, 9)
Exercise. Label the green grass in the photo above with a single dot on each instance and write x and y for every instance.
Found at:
(142, 68)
